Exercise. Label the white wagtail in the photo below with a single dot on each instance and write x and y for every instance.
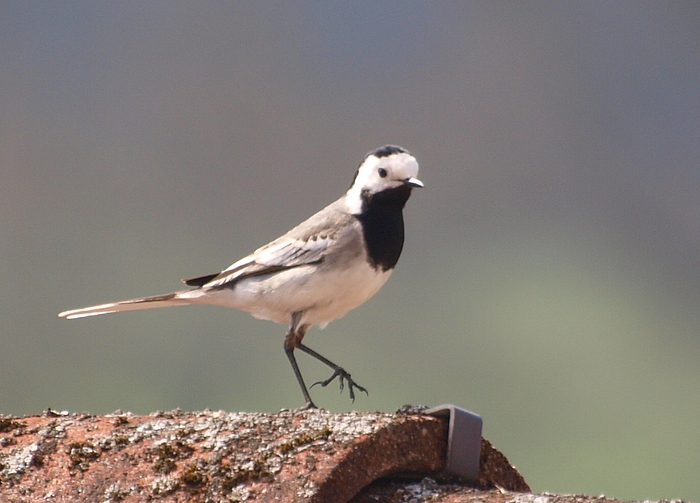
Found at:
(318, 271)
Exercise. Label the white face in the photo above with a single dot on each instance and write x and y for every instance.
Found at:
(381, 173)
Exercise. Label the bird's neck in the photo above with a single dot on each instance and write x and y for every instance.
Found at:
(382, 225)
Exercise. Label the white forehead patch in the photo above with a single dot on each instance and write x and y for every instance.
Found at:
(398, 168)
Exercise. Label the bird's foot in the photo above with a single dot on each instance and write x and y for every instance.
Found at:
(307, 406)
(342, 376)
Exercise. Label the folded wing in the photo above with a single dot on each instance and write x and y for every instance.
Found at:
(281, 254)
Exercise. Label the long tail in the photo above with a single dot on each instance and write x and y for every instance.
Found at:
(165, 300)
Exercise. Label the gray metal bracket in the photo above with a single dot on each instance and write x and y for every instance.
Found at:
(463, 440)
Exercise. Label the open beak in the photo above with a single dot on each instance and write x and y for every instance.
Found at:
(413, 182)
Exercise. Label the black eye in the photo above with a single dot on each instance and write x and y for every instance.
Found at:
(382, 172)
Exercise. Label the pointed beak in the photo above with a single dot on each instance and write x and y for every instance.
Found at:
(413, 182)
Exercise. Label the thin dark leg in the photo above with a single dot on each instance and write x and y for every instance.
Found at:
(338, 372)
(309, 403)
(291, 341)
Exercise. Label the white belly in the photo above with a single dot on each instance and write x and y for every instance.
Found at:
(320, 296)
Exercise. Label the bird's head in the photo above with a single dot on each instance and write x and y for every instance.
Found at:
(388, 169)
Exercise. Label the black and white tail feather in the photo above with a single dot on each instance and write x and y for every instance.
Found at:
(318, 271)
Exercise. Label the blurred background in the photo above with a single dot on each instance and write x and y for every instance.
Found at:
(550, 279)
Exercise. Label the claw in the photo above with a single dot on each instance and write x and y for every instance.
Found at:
(308, 406)
(342, 376)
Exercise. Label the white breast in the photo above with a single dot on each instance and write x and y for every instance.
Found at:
(312, 289)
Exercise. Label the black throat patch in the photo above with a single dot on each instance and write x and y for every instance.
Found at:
(382, 225)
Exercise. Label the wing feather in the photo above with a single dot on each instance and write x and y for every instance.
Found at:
(307, 243)
(277, 256)
(293, 252)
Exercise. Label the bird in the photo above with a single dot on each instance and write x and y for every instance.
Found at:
(318, 271)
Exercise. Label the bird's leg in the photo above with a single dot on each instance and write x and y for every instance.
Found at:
(338, 372)
(292, 340)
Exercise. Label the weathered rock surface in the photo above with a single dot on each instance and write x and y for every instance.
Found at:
(313, 456)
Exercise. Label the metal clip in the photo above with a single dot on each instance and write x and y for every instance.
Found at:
(463, 440)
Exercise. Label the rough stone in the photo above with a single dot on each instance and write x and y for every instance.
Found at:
(215, 456)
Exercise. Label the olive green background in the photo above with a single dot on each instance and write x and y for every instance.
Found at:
(551, 275)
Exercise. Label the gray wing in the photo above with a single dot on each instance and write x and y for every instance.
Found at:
(307, 243)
